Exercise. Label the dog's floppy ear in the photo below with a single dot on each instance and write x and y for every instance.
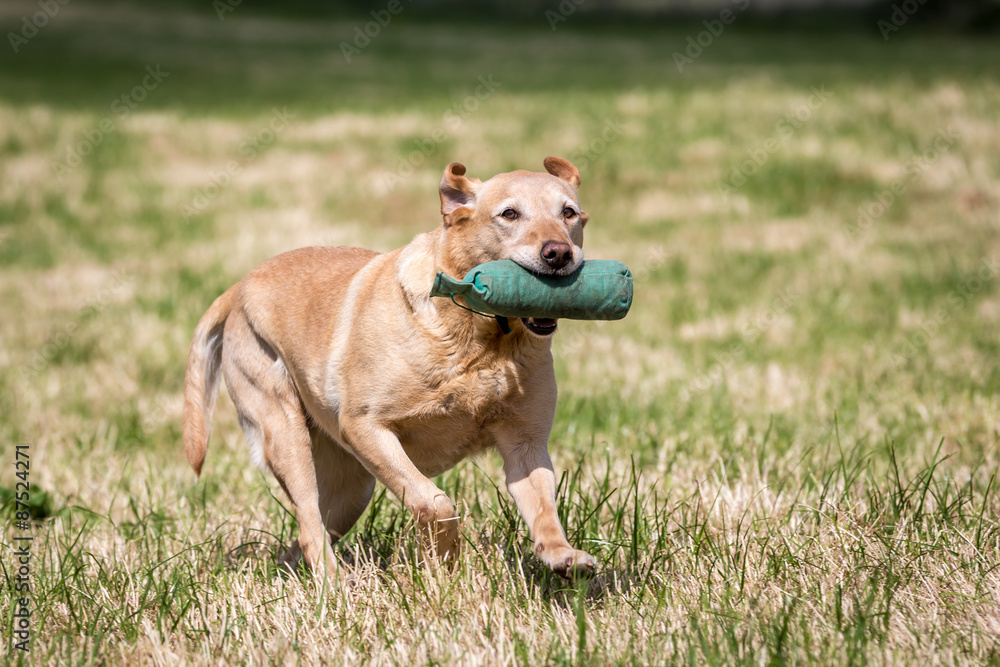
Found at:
(563, 169)
(458, 194)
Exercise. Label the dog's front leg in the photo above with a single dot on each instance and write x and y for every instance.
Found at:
(532, 483)
(380, 451)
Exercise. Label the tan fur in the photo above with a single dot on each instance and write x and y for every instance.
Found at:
(343, 370)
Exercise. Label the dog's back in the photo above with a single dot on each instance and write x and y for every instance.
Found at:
(307, 279)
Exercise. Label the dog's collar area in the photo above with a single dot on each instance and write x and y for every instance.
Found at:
(502, 321)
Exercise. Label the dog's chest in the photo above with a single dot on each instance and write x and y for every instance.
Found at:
(465, 399)
(475, 393)
(449, 423)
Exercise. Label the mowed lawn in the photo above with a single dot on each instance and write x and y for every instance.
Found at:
(786, 453)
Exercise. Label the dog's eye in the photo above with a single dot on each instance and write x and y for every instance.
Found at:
(568, 213)
(509, 214)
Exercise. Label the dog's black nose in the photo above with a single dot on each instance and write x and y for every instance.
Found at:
(557, 254)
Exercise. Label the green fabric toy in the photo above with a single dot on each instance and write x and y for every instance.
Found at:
(598, 290)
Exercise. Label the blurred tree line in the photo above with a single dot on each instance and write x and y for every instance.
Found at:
(951, 15)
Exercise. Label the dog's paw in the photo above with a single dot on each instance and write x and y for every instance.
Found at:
(568, 562)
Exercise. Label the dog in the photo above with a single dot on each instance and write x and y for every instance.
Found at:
(344, 370)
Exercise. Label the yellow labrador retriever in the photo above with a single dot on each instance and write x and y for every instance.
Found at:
(345, 371)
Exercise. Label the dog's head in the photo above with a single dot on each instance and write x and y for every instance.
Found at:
(529, 217)
(532, 218)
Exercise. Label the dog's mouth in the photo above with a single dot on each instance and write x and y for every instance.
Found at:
(540, 326)
(540, 269)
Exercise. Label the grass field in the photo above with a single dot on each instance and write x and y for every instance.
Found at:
(787, 453)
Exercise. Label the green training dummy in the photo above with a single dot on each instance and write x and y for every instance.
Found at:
(598, 290)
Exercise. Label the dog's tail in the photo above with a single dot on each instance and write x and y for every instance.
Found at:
(201, 382)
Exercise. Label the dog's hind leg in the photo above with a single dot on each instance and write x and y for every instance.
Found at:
(274, 421)
(345, 489)
(345, 486)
